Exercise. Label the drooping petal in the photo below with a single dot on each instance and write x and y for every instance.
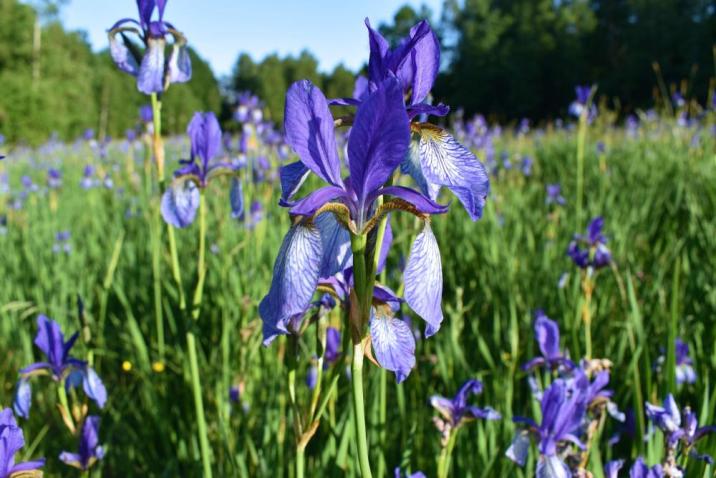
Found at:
(23, 399)
(151, 72)
(205, 135)
(393, 344)
(26, 466)
(180, 203)
(121, 55)
(336, 244)
(93, 387)
(448, 163)
(310, 131)
(552, 467)
(411, 166)
(379, 139)
(295, 277)
(311, 203)
(519, 449)
(424, 280)
(292, 176)
(422, 203)
(487, 413)
(71, 459)
(611, 469)
(179, 66)
(236, 199)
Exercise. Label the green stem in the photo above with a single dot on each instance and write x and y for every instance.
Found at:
(587, 289)
(359, 410)
(300, 461)
(446, 455)
(199, 405)
(581, 140)
(201, 264)
(62, 395)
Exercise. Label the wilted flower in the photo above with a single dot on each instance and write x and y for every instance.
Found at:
(90, 450)
(595, 254)
(153, 72)
(11, 441)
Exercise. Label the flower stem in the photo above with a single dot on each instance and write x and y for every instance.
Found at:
(67, 415)
(300, 461)
(359, 410)
(446, 455)
(191, 342)
(588, 289)
(581, 140)
(199, 405)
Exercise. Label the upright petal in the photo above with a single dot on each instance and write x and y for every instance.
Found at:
(425, 61)
(393, 344)
(310, 131)
(379, 139)
(360, 88)
(145, 7)
(519, 449)
(379, 48)
(121, 55)
(295, 277)
(151, 72)
(236, 199)
(179, 67)
(424, 280)
(205, 135)
(292, 176)
(448, 163)
(180, 203)
(336, 245)
(547, 335)
(50, 340)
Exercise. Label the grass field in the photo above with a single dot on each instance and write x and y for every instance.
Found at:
(655, 186)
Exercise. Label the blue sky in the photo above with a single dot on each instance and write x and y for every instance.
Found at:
(332, 30)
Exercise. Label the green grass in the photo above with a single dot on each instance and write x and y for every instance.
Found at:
(656, 192)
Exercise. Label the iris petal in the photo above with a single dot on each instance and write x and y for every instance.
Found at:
(121, 55)
(448, 163)
(151, 72)
(179, 67)
(393, 344)
(236, 198)
(295, 277)
(424, 280)
(311, 203)
(180, 203)
(310, 131)
(23, 399)
(547, 334)
(292, 177)
(336, 244)
(552, 467)
(93, 387)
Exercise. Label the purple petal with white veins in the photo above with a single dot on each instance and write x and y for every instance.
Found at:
(448, 163)
(179, 67)
(379, 139)
(292, 176)
(393, 345)
(411, 166)
(295, 277)
(179, 203)
(150, 78)
(552, 467)
(121, 55)
(310, 131)
(424, 280)
(336, 244)
(422, 203)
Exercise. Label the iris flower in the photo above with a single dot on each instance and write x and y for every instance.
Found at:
(547, 335)
(554, 194)
(153, 72)
(590, 250)
(181, 200)
(638, 470)
(377, 144)
(60, 365)
(11, 441)
(437, 159)
(90, 450)
(456, 411)
(579, 106)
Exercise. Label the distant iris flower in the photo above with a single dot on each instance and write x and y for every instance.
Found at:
(456, 411)
(398, 473)
(581, 105)
(547, 335)
(88, 181)
(181, 200)
(638, 470)
(526, 166)
(153, 72)
(677, 428)
(90, 450)
(554, 194)
(590, 250)
(11, 441)
(54, 178)
(62, 242)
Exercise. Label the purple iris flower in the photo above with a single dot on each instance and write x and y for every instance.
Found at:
(581, 104)
(677, 427)
(398, 473)
(54, 178)
(684, 365)
(595, 253)
(62, 242)
(11, 441)
(554, 194)
(547, 335)
(181, 200)
(563, 411)
(377, 145)
(638, 470)
(51, 341)
(678, 99)
(88, 134)
(248, 108)
(153, 72)
(437, 159)
(526, 166)
(456, 411)
(333, 345)
(146, 114)
(88, 181)
(90, 450)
